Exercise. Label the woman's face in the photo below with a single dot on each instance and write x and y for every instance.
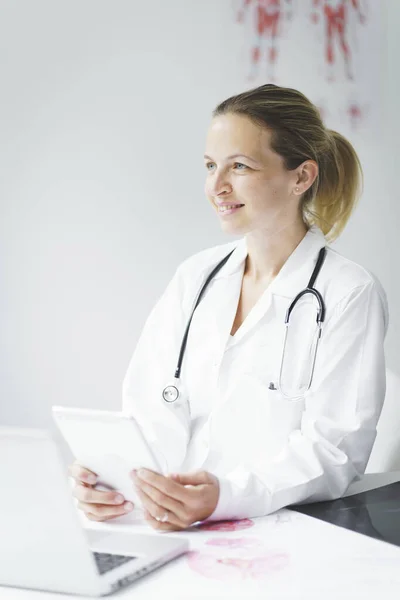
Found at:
(242, 169)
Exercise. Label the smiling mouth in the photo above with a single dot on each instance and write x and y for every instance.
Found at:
(229, 207)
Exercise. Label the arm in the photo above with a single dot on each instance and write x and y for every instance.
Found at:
(315, 11)
(338, 426)
(240, 15)
(153, 363)
(361, 13)
(289, 9)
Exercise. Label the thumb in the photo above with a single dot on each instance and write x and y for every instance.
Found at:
(195, 478)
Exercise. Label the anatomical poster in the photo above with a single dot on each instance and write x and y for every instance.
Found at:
(329, 49)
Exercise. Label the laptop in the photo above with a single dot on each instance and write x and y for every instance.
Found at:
(43, 544)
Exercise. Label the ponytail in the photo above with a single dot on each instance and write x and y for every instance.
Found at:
(338, 189)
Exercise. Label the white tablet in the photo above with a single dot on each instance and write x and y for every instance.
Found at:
(110, 444)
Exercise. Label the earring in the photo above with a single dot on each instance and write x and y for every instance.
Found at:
(296, 189)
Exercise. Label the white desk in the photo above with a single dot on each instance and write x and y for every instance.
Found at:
(284, 555)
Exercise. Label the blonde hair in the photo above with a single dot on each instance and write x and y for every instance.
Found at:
(298, 134)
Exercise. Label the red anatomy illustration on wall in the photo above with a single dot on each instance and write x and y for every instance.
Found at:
(335, 43)
(269, 17)
(336, 15)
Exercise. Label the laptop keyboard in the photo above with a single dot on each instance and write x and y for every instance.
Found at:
(105, 562)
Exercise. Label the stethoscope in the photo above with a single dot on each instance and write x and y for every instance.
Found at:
(171, 392)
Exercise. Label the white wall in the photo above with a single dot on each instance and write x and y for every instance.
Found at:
(105, 105)
(372, 236)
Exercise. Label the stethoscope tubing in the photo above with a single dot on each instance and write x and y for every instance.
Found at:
(171, 392)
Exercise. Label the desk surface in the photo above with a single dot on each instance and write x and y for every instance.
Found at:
(284, 555)
(375, 513)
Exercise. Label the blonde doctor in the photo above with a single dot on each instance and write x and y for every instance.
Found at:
(248, 413)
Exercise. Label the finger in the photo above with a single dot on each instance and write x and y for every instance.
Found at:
(158, 525)
(195, 478)
(156, 511)
(92, 496)
(158, 503)
(82, 474)
(103, 512)
(166, 485)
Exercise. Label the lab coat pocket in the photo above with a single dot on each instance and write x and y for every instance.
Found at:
(278, 416)
(256, 421)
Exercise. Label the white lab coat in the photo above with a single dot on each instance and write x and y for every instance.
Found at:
(267, 451)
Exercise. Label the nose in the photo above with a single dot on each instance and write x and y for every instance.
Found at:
(219, 184)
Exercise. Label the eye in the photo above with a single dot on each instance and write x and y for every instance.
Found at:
(239, 166)
(209, 165)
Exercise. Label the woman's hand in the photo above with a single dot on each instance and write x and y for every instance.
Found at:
(175, 502)
(97, 505)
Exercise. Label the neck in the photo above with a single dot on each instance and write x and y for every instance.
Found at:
(267, 253)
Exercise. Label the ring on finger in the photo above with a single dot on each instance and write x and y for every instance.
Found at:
(163, 519)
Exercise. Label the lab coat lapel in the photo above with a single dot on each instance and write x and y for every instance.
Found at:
(228, 293)
(227, 285)
(292, 278)
(296, 272)
(225, 288)
(259, 311)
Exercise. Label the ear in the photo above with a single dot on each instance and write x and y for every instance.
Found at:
(306, 174)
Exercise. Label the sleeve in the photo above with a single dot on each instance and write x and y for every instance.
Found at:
(338, 426)
(152, 364)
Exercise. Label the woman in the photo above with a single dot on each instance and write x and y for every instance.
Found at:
(267, 429)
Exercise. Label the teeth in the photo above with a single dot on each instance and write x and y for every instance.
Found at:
(224, 208)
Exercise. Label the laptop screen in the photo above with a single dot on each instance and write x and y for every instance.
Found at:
(375, 513)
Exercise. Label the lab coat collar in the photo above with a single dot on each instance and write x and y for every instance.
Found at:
(295, 272)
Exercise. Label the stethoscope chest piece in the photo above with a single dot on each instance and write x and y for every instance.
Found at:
(176, 399)
(170, 393)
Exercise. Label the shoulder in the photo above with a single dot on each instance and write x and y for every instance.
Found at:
(346, 280)
(191, 272)
(196, 264)
(348, 273)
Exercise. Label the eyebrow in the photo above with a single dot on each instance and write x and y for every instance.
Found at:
(234, 156)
